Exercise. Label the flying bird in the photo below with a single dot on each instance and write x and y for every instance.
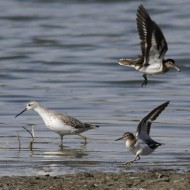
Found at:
(153, 48)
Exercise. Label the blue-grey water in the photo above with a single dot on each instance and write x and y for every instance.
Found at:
(64, 54)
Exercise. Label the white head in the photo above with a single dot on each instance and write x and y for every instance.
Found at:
(29, 106)
(32, 105)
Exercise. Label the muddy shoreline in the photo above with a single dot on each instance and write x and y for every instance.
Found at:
(157, 179)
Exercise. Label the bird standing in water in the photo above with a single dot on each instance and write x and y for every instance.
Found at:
(60, 123)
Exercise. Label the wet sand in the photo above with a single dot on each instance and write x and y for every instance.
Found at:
(161, 179)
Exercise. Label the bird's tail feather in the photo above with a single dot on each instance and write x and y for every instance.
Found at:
(91, 126)
(127, 62)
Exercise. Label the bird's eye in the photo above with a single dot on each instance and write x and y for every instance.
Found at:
(29, 105)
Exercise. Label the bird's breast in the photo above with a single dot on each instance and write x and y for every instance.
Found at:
(132, 146)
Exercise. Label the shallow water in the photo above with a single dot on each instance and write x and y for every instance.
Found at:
(64, 54)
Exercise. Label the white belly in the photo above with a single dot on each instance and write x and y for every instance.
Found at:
(139, 148)
(146, 150)
(152, 69)
(59, 127)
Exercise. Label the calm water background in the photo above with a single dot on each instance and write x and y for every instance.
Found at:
(64, 54)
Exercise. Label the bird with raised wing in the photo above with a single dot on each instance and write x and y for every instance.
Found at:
(142, 143)
(59, 123)
(153, 48)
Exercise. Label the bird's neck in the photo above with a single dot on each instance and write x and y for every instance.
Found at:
(43, 112)
(165, 67)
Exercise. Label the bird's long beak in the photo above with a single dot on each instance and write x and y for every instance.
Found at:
(177, 68)
(119, 138)
(21, 112)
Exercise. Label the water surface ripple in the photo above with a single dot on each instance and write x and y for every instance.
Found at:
(64, 54)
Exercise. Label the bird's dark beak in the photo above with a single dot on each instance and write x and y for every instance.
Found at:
(119, 138)
(21, 112)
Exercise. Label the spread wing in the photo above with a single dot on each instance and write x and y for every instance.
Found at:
(153, 43)
(143, 129)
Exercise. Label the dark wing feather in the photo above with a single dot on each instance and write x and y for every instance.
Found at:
(70, 120)
(74, 122)
(162, 46)
(143, 129)
(152, 144)
(152, 39)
